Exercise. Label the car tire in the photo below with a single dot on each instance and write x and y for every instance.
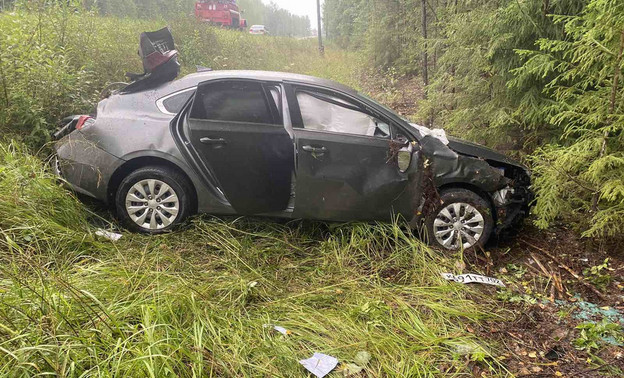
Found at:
(460, 212)
(153, 200)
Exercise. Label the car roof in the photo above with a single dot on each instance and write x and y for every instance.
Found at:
(196, 78)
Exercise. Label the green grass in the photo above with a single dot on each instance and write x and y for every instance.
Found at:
(194, 303)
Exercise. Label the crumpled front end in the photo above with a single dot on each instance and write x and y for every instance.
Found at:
(506, 184)
(513, 203)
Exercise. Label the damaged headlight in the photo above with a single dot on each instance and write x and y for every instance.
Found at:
(502, 197)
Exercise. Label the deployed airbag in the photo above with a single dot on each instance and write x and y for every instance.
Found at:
(325, 116)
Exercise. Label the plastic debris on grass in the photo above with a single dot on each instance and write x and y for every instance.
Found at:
(360, 361)
(320, 364)
(279, 329)
(112, 236)
(473, 278)
(588, 311)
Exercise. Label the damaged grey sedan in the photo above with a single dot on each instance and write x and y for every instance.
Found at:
(282, 145)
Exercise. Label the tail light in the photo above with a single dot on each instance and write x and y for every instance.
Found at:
(81, 121)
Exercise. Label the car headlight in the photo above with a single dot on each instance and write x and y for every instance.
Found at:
(502, 197)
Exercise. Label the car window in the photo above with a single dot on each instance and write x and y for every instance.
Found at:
(175, 103)
(232, 101)
(328, 113)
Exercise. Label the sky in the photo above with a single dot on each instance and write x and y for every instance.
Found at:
(299, 7)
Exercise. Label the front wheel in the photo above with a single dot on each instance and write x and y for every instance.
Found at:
(463, 220)
(153, 200)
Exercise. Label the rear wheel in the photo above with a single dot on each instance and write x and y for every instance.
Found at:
(153, 199)
(463, 220)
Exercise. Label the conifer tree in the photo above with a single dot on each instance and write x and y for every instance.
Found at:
(581, 177)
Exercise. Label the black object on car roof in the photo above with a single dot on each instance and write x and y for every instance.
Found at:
(160, 61)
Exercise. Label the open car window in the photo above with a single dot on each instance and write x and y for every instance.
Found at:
(322, 112)
(233, 101)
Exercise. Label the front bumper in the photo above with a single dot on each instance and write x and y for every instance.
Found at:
(84, 166)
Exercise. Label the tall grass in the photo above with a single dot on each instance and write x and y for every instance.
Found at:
(195, 303)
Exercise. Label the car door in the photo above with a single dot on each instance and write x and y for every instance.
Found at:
(235, 128)
(346, 168)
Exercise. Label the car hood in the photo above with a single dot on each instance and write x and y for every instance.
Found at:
(476, 150)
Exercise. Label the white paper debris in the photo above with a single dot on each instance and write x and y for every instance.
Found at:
(320, 364)
(108, 235)
(436, 133)
(279, 329)
(473, 278)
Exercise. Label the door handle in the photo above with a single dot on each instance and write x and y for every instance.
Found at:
(211, 141)
(317, 150)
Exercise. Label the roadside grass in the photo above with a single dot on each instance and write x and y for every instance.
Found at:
(195, 302)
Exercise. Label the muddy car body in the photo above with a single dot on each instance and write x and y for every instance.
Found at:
(285, 145)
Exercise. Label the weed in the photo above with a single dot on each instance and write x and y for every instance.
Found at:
(594, 335)
(599, 275)
(517, 271)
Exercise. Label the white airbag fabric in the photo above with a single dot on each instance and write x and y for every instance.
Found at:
(325, 116)
(436, 133)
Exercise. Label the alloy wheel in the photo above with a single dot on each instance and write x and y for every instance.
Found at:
(152, 204)
(458, 225)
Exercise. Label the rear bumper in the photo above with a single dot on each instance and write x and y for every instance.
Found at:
(84, 166)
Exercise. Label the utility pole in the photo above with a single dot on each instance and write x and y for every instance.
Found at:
(319, 31)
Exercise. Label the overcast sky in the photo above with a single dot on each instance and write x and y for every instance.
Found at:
(299, 7)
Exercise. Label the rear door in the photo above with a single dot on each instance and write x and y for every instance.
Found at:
(346, 169)
(236, 129)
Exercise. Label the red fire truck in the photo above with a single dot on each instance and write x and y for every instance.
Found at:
(220, 12)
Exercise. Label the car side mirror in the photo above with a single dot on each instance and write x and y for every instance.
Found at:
(405, 157)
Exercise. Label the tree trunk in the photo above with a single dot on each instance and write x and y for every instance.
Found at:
(320, 35)
(612, 103)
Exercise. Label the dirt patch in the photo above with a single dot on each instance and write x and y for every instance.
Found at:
(565, 304)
